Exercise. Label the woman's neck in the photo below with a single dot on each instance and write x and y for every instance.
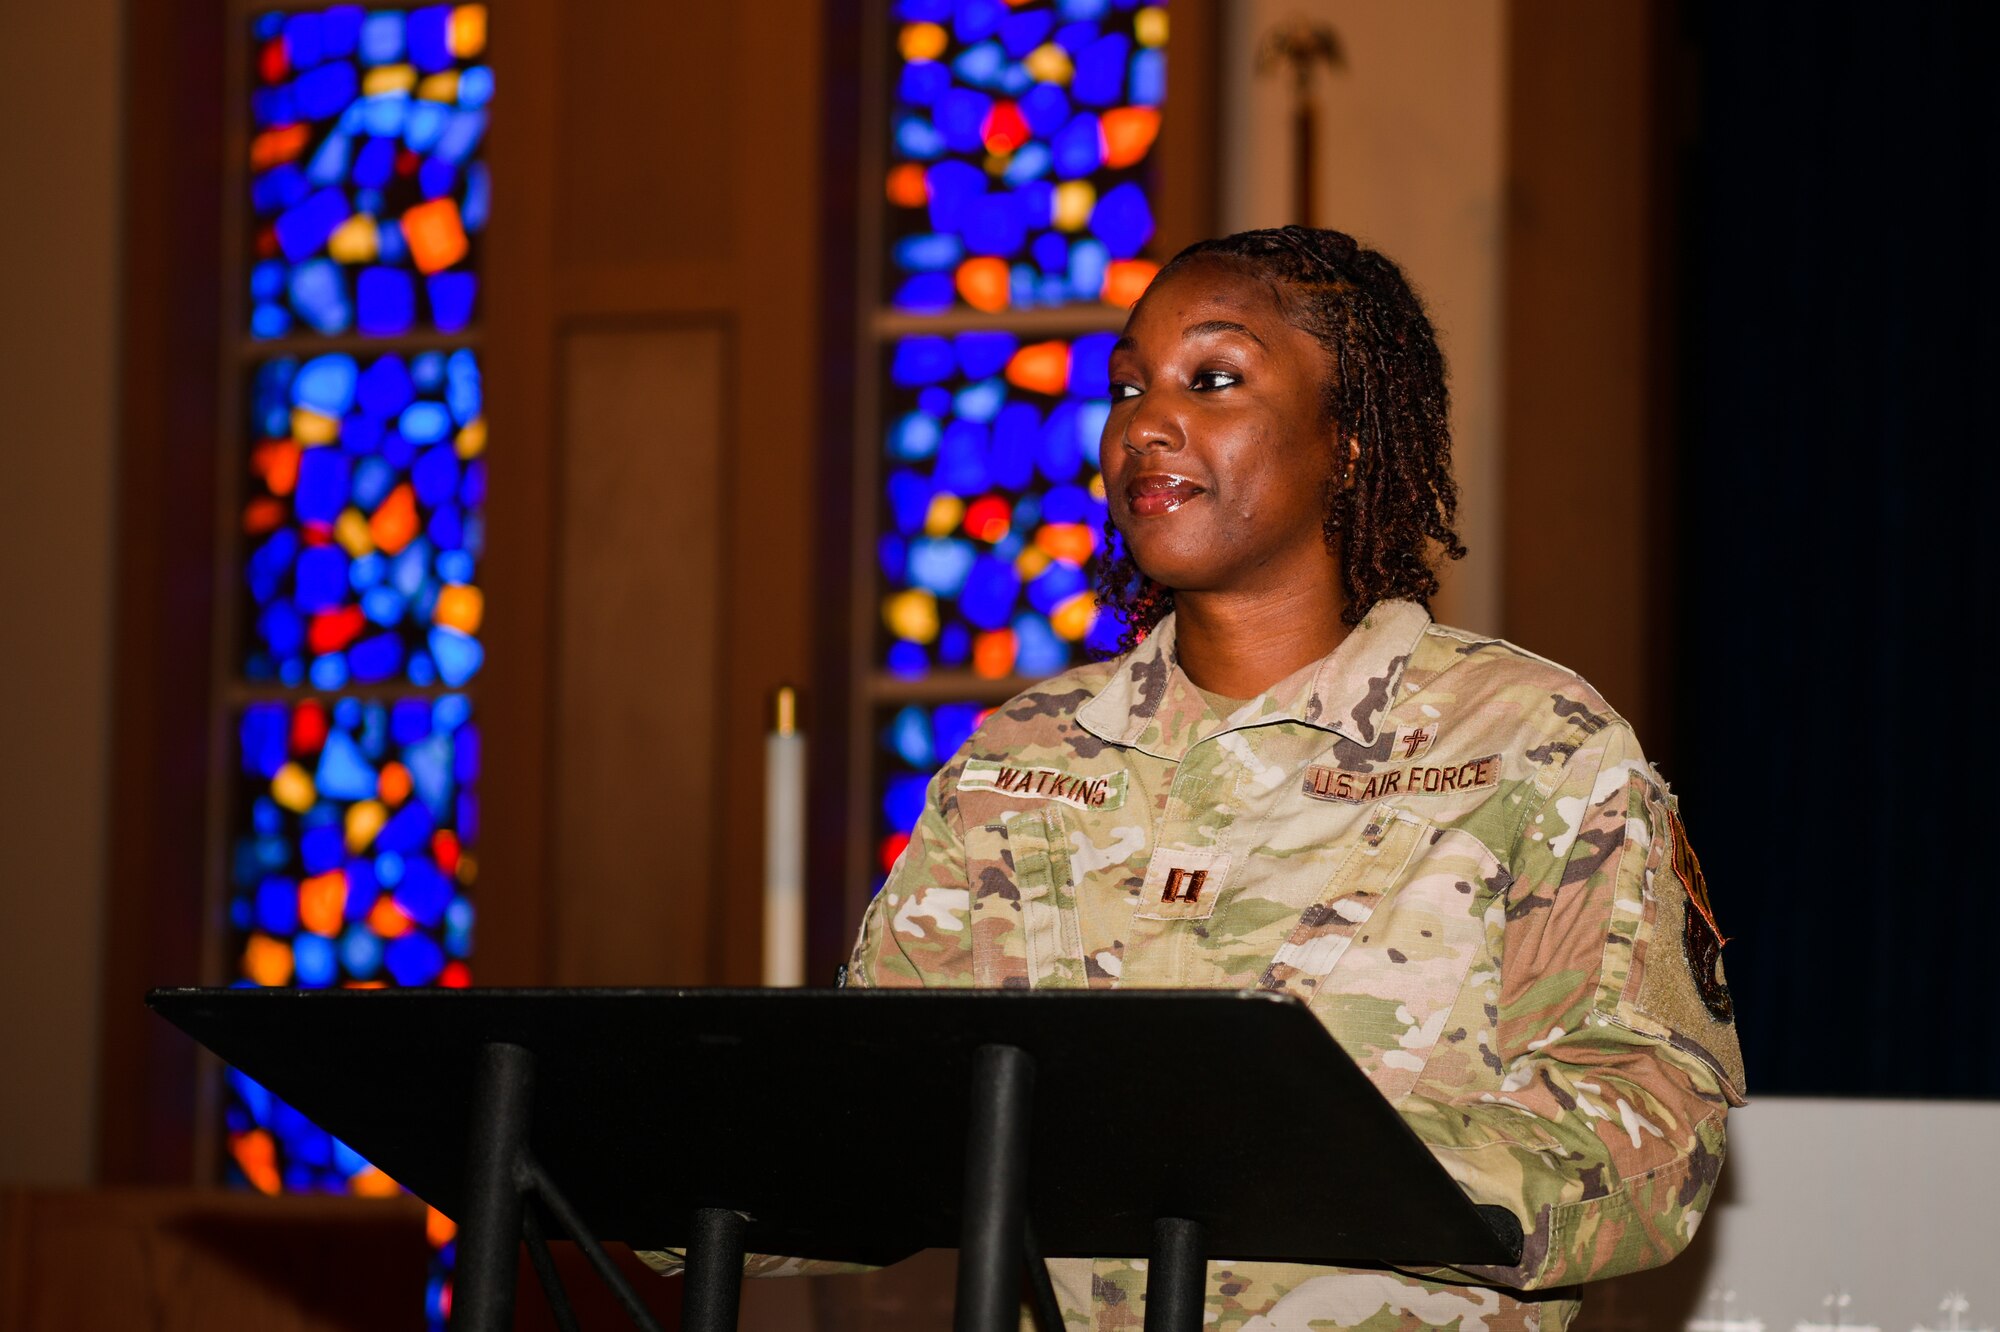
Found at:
(1240, 644)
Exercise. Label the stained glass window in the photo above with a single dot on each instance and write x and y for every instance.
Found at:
(1021, 143)
(367, 192)
(365, 519)
(358, 820)
(915, 740)
(362, 513)
(994, 504)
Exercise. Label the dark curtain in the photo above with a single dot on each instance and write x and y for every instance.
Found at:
(1837, 757)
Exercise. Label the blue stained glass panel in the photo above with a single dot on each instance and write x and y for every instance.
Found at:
(1021, 154)
(352, 867)
(368, 197)
(993, 504)
(365, 520)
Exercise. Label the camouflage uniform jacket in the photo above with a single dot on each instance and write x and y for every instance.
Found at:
(1451, 849)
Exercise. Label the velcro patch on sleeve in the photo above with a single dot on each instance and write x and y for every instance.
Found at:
(1358, 788)
(1085, 791)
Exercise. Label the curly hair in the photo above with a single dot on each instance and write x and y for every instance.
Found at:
(1390, 527)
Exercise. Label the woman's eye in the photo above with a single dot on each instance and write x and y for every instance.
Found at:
(1120, 392)
(1216, 379)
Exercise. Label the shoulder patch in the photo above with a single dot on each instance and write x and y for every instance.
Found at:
(1085, 791)
(1700, 936)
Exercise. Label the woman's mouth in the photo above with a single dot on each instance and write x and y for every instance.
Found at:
(1152, 493)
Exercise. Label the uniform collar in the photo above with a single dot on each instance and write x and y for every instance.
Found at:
(1149, 703)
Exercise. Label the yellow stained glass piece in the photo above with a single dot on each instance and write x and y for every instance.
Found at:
(388, 79)
(922, 41)
(1030, 563)
(1049, 63)
(309, 427)
(364, 819)
(355, 241)
(912, 615)
(293, 789)
(1073, 618)
(439, 87)
(467, 34)
(351, 531)
(471, 441)
(267, 961)
(1097, 486)
(1149, 25)
(946, 513)
(1074, 200)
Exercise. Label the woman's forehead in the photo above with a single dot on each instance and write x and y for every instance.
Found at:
(1206, 291)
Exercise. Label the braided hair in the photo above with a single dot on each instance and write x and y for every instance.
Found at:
(1389, 526)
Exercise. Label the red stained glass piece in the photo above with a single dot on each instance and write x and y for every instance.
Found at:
(1005, 129)
(335, 629)
(455, 976)
(444, 848)
(308, 728)
(407, 161)
(274, 61)
(892, 846)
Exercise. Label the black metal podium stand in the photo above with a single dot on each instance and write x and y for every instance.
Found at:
(860, 1126)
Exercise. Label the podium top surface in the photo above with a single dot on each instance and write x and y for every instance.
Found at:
(836, 1119)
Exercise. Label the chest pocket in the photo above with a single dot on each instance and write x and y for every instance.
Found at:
(1384, 954)
(1025, 930)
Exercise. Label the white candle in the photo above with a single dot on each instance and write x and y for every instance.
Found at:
(785, 845)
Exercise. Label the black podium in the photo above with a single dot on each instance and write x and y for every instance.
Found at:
(861, 1126)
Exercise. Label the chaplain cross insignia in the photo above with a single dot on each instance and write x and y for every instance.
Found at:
(1414, 742)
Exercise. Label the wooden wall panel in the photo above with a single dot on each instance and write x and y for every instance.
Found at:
(647, 114)
(193, 1260)
(1584, 336)
(644, 518)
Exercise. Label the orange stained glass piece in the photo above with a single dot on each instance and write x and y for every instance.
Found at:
(436, 234)
(467, 34)
(460, 608)
(439, 1229)
(393, 784)
(267, 961)
(922, 41)
(279, 144)
(394, 524)
(993, 654)
(1067, 541)
(983, 282)
(1126, 280)
(370, 1182)
(257, 1157)
(262, 515)
(1041, 367)
(278, 463)
(322, 899)
(1128, 133)
(387, 919)
(906, 187)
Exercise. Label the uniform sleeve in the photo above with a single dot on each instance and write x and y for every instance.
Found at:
(1615, 1039)
(916, 930)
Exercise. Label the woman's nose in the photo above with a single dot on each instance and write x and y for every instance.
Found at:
(1151, 429)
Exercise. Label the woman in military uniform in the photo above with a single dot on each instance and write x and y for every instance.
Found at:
(1292, 779)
